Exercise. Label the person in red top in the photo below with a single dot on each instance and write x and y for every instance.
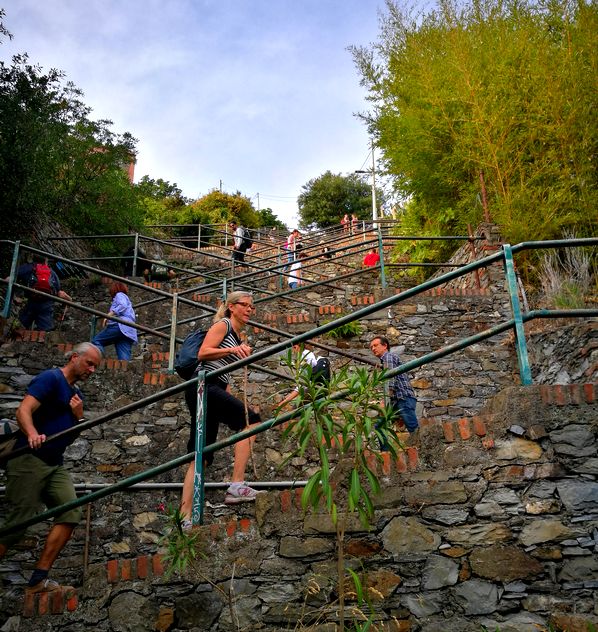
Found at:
(371, 259)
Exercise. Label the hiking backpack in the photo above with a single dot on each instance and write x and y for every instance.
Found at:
(41, 278)
(247, 239)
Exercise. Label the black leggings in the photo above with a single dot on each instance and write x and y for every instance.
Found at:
(221, 406)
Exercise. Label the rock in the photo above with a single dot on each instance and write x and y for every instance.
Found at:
(478, 534)
(439, 572)
(198, 610)
(520, 449)
(539, 507)
(436, 493)
(297, 547)
(578, 495)
(138, 440)
(423, 604)
(503, 563)
(131, 612)
(540, 531)
(579, 569)
(521, 622)
(448, 516)
(405, 536)
(476, 596)
(572, 622)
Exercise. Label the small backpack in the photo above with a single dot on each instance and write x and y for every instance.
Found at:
(321, 371)
(41, 278)
(247, 239)
(186, 360)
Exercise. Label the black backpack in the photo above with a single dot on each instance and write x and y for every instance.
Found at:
(186, 360)
(247, 239)
(321, 371)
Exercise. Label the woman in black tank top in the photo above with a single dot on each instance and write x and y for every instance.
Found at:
(222, 346)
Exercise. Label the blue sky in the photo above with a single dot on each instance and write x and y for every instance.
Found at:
(258, 94)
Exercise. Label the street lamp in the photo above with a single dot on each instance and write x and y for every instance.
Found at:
(373, 172)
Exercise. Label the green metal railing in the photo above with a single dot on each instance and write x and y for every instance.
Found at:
(515, 324)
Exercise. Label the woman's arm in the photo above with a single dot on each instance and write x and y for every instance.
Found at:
(210, 350)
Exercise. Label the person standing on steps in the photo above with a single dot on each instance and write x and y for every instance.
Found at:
(295, 278)
(239, 244)
(38, 310)
(122, 336)
(399, 391)
(53, 403)
(222, 346)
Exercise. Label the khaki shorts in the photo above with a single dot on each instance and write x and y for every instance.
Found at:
(31, 483)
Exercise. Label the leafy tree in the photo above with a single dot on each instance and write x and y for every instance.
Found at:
(55, 161)
(267, 219)
(163, 201)
(503, 88)
(219, 208)
(324, 200)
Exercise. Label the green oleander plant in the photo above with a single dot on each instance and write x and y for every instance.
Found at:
(342, 422)
(348, 330)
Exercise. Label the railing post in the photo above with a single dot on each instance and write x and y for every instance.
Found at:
(224, 290)
(11, 280)
(363, 229)
(279, 269)
(520, 343)
(135, 251)
(173, 324)
(198, 237)
(382, 270)
(93, 327)
(198, 479)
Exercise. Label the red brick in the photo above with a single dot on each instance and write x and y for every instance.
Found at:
(488, 443)
(464, 428)
(401, 462)
(157, 566)
(29, 606)
(560, 395)
(575, 394)
(112, 571)
(546, 394)
(231, 527)
(125, 570)
(57, 601)
(412, 458)
(370, 459)
(147, 378)
(479, 427)
(589, 393)
(43, 603)
(245, 524)
(72, 603)
(353, 300)
(142, 567)
(285, 500)
(298, 495)
(42, 336)
(154, 379)
(449, 431)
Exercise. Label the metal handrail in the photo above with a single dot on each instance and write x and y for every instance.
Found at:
(510, 324)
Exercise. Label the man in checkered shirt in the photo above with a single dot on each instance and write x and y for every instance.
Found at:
(399, 390)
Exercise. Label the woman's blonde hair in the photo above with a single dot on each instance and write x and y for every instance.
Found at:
(231, 299)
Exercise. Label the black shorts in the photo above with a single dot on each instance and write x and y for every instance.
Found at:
(221, 406)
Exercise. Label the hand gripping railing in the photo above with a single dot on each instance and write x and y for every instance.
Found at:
(514, 323)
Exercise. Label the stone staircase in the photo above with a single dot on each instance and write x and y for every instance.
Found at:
(491, 520)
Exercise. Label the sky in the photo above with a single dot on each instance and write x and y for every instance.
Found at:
(256, 96)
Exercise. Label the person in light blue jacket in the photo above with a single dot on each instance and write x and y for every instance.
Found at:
(122, 336)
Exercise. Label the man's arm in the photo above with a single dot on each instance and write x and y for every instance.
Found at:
(25, 419)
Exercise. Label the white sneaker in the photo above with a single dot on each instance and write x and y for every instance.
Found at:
(240, 494)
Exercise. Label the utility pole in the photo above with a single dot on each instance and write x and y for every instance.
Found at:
(374, 205)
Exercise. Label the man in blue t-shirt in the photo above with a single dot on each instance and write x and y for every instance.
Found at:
(52, 404)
